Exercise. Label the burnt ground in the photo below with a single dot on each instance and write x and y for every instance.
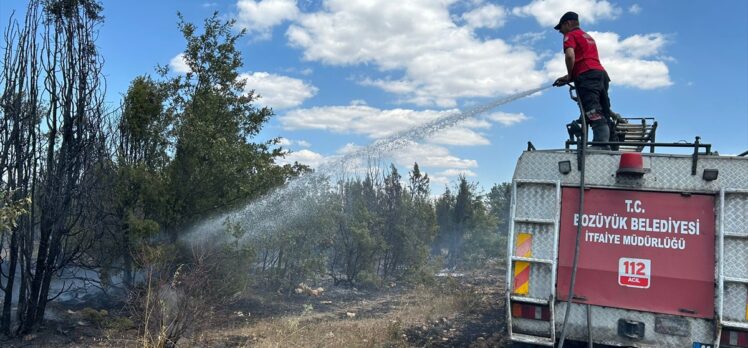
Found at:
(479, 320)
(481, 324)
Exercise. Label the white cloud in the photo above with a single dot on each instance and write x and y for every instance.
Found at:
(635, 9)
(179, 65)
(475, 123)
(288, 142)
(304, 156)
(636, 61)
(358, 119)
(440, 180)
(456, 172)
(429, 155)
(278, 92)
(487, 16)
(459, 136)
(548, 12)
(636, 46)
(507, 119)
(376, 123)
(349, 148)
(432, 60)
(528, 39)
(260, 17)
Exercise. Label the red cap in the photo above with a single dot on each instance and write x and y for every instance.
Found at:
(631, 163)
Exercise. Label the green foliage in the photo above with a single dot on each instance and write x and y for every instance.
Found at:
(144, 126)
(356, 243)
(445, 224)
(10, 211)
(119, 323)
(499, 199)
(467, 227)
(139, 195)
(157, 256)
(294, 249)
(95, 317)
(369, 280)
(141, 228)
(481, 239)
(185, 150)
(384, 230)
(233, 262)
(216, 165)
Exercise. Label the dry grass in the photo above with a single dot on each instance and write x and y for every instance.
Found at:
(372, 326)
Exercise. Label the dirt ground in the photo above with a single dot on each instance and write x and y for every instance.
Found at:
(457, 310)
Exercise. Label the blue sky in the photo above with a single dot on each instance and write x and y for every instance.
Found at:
(342, 73)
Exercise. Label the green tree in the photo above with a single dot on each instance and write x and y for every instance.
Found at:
(418, 183)
(499, 199)
(420, 222)
(140, 187)
(443, 208)
(461, 217)
(467, 227)
(293, 247)
(481, 240)
(144, 125)
(355, 246)
(393, 231)
(216, 163)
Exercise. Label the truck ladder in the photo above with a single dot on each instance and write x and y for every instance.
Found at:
(549, 262)
(732, 239)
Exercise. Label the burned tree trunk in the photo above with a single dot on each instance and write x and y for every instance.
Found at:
(18, 106)
(58, 82)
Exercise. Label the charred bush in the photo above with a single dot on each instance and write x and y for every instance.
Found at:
(180, 295)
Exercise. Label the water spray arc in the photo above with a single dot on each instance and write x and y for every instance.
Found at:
(263, 214)
(404, 138)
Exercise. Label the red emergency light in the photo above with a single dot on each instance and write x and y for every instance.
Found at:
(631, 164)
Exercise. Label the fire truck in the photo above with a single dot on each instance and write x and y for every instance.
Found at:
(632, 248)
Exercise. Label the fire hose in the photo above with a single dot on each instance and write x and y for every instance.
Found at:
(581, 159)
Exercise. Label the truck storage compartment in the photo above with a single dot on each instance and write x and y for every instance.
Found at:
(648, 251)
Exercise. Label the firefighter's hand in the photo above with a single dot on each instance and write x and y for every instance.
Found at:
(561, 81)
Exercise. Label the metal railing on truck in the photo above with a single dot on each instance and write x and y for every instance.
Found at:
(696, 145)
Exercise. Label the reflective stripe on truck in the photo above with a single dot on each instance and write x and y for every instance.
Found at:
(522, 268)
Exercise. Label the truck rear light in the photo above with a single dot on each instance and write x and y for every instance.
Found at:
(531, 311)
(734, 338)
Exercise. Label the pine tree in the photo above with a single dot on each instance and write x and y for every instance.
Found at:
(498, 201)
(216, 164)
